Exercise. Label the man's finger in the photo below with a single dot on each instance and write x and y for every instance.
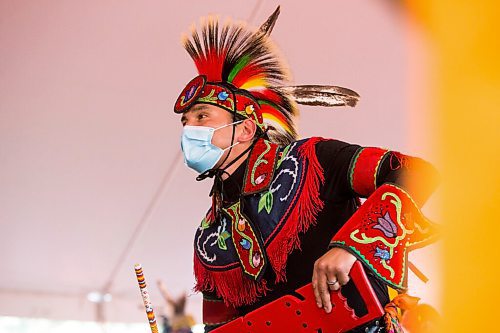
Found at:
(343, 279)
(333, 284)
(324, 293)
(316, 290)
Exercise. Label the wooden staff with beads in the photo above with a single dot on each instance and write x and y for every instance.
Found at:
(145, 297)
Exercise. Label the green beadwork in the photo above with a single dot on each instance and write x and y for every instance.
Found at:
(236, 212)
(259, 161)
(221, 240)
(353, 166)
(266, 201)
(369, 240)
(361, 257)
(210, 98)
(204, 223)
(284, 153)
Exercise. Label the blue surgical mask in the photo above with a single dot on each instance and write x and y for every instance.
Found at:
(199, 152)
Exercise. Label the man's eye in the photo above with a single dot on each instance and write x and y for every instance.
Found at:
(202, 115)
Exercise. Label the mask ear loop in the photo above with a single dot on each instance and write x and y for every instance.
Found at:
(212, 172)
(217, 191)
(261, 134)
(232, 138)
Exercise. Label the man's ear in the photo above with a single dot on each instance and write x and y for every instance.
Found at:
(248, 130)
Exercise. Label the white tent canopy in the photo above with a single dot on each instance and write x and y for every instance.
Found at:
(91, 179)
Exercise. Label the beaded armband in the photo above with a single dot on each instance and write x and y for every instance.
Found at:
(364, 170)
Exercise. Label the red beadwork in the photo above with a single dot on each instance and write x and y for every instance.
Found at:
(383, 230)
(248, 248)
(364, 170)
(190, 94)
(261, 164)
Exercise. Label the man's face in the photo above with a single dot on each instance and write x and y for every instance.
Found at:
(211, 116)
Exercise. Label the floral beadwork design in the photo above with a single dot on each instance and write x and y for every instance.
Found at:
(389, 229)
(260, 160)
(387, 226)
(382, 253)
(222, 97)
(190, 93)
(221, 240)
(261, 167)
(209, 98)
(217, 237)
(383, 230)
(267, 198)
(246, 242)
(249, 109)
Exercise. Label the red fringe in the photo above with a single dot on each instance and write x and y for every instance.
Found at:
(234, 288)
(303, 215)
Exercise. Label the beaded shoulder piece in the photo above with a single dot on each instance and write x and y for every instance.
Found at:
(383, 230)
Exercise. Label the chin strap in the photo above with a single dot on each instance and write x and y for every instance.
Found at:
(217, 191)
(218, 172)
(210, 173)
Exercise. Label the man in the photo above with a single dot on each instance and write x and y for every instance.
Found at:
(284, 212)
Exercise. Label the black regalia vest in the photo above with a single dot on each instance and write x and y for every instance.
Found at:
(279, 200)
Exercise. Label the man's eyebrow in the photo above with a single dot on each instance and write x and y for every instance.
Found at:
(198, 107)
(194, 109)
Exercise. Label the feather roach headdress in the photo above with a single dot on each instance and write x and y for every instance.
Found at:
(240, 72)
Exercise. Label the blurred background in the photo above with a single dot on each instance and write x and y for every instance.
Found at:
(91, 176)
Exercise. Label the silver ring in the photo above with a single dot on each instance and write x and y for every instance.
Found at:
(332, 283)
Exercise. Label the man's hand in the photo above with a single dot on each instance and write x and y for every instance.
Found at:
(331, 271)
